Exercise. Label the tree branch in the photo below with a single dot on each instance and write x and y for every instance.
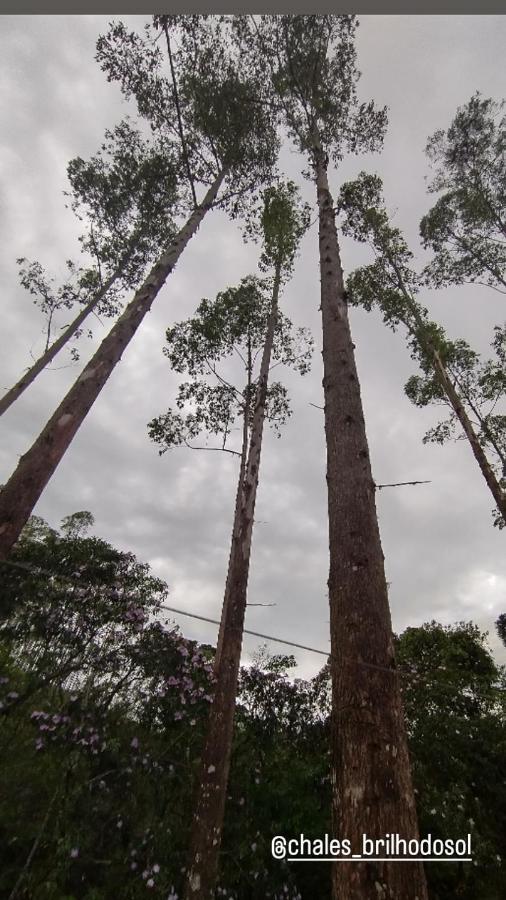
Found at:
(220, 449)
(179, 118)
(400, 483)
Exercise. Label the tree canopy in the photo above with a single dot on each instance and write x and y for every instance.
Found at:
(104, 704)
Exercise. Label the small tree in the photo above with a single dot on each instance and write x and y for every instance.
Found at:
(455, 699)
(77, 524)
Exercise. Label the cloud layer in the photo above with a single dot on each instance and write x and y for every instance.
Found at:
(443, 558)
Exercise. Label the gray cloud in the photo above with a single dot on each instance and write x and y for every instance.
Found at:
(443, 558)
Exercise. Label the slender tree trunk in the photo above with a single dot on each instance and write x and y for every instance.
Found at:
(372, 789)
(215, 765)
(237, 512)
(35, 468)
(479, 454)
(452, 394)
(49, 354)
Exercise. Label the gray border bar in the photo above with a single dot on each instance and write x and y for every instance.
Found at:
(147, 7)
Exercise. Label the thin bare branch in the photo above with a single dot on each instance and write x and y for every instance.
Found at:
(401, 483)
(220, 449)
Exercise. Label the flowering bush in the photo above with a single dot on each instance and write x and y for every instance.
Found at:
(104, 705)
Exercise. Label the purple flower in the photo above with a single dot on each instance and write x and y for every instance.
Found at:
(135, 743)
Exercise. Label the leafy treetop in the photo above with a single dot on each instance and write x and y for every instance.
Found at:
(391, 284)
(312, 60)
(200, 97)
(466, 228)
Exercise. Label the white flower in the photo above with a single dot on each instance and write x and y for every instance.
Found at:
(74, 853)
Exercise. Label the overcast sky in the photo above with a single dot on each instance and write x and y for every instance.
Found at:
(444, 560)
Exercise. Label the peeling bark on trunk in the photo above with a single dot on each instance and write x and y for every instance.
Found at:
(35, 468)
(40, 364)
(372, 791)
(215, 765)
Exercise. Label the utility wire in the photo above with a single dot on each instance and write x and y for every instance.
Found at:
(26, 567)
(267, 637)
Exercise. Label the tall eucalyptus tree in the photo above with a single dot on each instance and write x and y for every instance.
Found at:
(312, 60)
(225, 153)
(249, 321)
(122, 194)
(453, 374)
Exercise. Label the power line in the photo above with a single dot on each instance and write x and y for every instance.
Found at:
(26, 567)
(266, 637)
(393, 671)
